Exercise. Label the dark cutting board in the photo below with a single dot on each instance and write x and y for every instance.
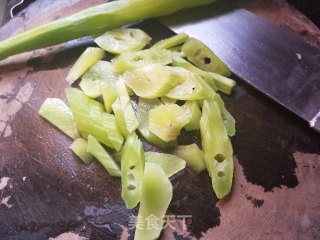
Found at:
(45, 191)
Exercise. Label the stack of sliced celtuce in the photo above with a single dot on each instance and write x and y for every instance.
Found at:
(152, 93)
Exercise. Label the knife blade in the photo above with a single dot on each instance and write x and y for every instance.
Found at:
(276, 63)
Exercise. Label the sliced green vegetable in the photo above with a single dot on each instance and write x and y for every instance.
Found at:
(169, 163)
(132, 166)
(223, 84)
(90, 88)
(156, 195)
(109, 96)
(144, 106)
(166, 121)
(228, 119)
(201, 56)
(152, 81)
(89, 57)
(97, 150)
(216, 81)
(178, 61)
(122, 40)
(79, 147)
(193, 108)
(172, 41)
(124, 111)
(192, 88)
(132, 60)
(91, 119)
(102, 71)
(113, 131)
(59, 114)
(218, 153)
(193, 156)
(167, 100)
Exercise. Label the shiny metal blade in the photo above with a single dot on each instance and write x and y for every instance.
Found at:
(277, 63)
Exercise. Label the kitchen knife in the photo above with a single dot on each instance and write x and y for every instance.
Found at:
(277, 63)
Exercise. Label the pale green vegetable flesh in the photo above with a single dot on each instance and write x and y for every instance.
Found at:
(89, 57)
(132, 166)
(192, 88)
(201, 56)
(166, 121)
(156, 195)
(91, 119)
(124, 111)
(193, 108)
(178, 61)
(132, 60)
(99, 77)
(167, 100)
(172, 41)
(98, 151)
(169, 163)
(151, 81)
(59, 114)
(144, 106)
(79, 147)
(228, 119)
(122, 40)
(109, 96)
(193, 156)
(223, 84)
(90, 87)
(102, 71)
(217, 148)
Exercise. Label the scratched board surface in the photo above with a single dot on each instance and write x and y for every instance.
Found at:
(46, 192)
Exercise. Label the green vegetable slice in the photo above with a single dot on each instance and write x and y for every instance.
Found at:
(156, 195)
(193, 156)
(132, 165)
(124, 111)
(218, 153)
(122, 40)
(97, 150)
(169, 163)
(79, 147)
(166, 121)
(132, 60)
(192, 88)
(100, 76)
(228, 119)
(102, 71)
(90, 87)
(109, 96)
(151, 81)
(216, 81)
(172, 41)
(193, 108)
(167, 100)
(59, 114)
(91, 119)
(89, 57)
(201, 56)
(144, 106)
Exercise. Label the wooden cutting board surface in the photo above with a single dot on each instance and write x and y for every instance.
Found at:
(46, 192)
